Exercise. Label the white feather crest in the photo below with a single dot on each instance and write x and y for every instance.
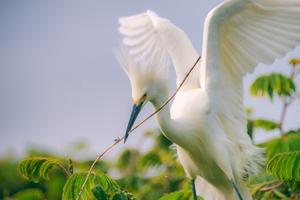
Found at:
(141, 72)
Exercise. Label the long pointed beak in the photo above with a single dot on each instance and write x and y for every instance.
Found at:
(135, 111)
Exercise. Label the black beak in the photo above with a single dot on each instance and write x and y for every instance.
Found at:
(135, 111)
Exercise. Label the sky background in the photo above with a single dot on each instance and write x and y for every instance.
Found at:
(60, 81)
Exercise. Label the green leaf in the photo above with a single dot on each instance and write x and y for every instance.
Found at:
(293, 142)
(265, 124)
(75, 182)
(128, 195)
(280, 194)
(179, 195)
(279, 145)
(151, 159)
(35, 167)
(126, 158)
(260, 178)
(120, 196)
(99, 193)
(275, 82)
(173, 196)
(275, 146)
(29, 194)
(250, 128)
(293, 132)
(286, 167)
(161, 142)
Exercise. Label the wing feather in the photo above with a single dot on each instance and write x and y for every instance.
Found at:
(238, 35)
(150, 36)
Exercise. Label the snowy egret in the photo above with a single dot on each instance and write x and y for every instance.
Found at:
(207, 120)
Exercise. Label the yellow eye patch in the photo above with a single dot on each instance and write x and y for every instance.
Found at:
(138, 101)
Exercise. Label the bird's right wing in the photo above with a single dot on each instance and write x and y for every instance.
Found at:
(150, 36)
(240, 34)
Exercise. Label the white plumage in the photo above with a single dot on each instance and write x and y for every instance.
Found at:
(207, 120)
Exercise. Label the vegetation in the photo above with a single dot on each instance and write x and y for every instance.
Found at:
(157, 174)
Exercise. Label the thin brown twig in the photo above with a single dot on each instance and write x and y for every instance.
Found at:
(64, 169)
(286, 104)
(273, 187)
(270, 182)
(122, 138)
(58, 165)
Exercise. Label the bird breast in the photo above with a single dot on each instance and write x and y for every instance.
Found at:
(191, 105)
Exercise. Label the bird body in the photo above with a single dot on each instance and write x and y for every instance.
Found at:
(207, 120)
(202, 147)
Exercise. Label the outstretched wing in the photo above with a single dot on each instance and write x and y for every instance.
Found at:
(240, 34)
(150, 36)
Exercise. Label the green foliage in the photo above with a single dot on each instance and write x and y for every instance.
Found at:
(124, 159)
(98, 186)
(150, 159)
(275, 82)
(179, 195)
(74, 183)
(120, 196)
(161, 142)
(29, 194)
(35, 167)
(286, 167)
(265, 124)
(73, 186)
(261, 123)
(297, 132)
(250, 128)
(275, 146)
(99, 193)
(128, 195)
(278, 145)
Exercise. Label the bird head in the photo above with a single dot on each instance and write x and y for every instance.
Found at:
(148, 79)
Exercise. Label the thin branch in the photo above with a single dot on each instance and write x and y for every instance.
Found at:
(64, 169)
(282, 117)
(295, 194)
(286, 104)
(270, 182)
(58, 165)
(273, 187)
(122, 138)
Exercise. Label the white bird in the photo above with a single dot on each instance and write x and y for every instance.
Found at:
(207, 119)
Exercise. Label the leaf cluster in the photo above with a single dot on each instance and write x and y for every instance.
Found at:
(286, 167)
(269, 84)
(36, 167)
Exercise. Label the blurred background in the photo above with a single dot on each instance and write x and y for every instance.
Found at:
(63, 92)
(60, 82)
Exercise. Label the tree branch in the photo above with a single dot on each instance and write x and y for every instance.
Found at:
(151, 115)
(273, 187)
(286, 103)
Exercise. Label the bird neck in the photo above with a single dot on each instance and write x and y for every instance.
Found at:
(167, 125)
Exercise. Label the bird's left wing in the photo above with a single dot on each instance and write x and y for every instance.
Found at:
(240, 34)
(151, 37)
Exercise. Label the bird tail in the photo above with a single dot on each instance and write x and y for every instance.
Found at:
(208, 192)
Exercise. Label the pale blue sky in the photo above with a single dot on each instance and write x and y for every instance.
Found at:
(60, 81)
